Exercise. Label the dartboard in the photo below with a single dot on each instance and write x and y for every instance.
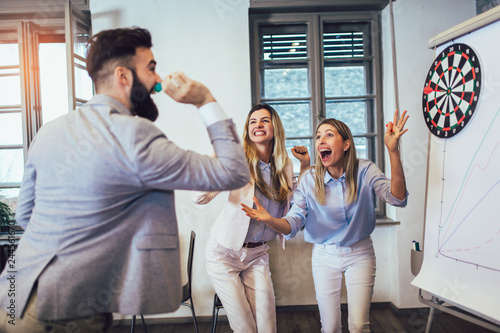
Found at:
(451, 90)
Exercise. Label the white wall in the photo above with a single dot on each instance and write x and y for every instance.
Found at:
(209, 41)
(416, 21)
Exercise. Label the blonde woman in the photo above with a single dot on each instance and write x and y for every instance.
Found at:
(335, 203)
(236, 253)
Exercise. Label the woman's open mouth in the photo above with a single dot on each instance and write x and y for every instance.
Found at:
(325, 153)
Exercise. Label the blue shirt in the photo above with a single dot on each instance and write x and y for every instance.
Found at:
(258, 231)
(339, 222)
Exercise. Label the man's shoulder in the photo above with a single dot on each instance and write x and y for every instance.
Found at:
(111, 115)
(129, 123)
(107, 115)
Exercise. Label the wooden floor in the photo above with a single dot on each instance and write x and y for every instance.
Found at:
(382, 319)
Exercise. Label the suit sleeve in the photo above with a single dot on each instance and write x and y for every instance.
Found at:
(161, 164)
(26, 198)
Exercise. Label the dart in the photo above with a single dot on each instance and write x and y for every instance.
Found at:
(428, 90)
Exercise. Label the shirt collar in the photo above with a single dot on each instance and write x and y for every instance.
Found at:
(329, 178)
(110, 101)
(263, 165)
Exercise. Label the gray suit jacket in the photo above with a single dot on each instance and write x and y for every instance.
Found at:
(97, 205)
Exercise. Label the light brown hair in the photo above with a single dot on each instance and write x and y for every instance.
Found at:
(281, 186)
(350, 165)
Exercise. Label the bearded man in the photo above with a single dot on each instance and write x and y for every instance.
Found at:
(97, 197)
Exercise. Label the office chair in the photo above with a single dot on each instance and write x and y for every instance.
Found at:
(215, 312)
(186, 289)
(6, 251)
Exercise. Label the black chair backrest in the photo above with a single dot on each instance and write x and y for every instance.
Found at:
(190, 259)
(6, 252)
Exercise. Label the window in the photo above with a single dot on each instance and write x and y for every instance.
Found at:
(321, 65)
(35, 56)
(11, 133)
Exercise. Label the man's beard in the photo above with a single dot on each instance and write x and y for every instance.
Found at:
(141, 102)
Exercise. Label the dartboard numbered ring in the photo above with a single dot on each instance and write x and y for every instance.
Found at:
(451, 90)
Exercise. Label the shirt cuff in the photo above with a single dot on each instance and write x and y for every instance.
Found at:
(393, 201)
(293, 226)
(212, 113)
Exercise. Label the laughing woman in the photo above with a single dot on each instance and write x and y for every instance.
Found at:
(236, 255)
(335, 202)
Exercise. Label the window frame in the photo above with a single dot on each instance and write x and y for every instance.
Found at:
(316, 64)
(23, 26)
(26, 37)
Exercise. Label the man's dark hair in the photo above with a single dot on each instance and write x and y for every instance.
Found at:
(114, 45)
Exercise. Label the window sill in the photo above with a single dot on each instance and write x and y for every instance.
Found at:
(384, 220)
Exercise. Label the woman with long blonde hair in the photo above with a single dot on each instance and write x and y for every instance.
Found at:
(335, 202)
(236, 255)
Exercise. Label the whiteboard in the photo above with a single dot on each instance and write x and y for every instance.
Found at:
(462, 229)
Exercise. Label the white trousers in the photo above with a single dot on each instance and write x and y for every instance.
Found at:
(357, 263)
(242, 281)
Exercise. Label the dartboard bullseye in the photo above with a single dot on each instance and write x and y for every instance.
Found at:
(451, 90)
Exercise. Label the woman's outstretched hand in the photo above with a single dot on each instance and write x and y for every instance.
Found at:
(395, 130)
(281, 225)
(259, 214)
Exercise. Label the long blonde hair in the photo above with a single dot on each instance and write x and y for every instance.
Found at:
(281, 186)
(350, 165)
